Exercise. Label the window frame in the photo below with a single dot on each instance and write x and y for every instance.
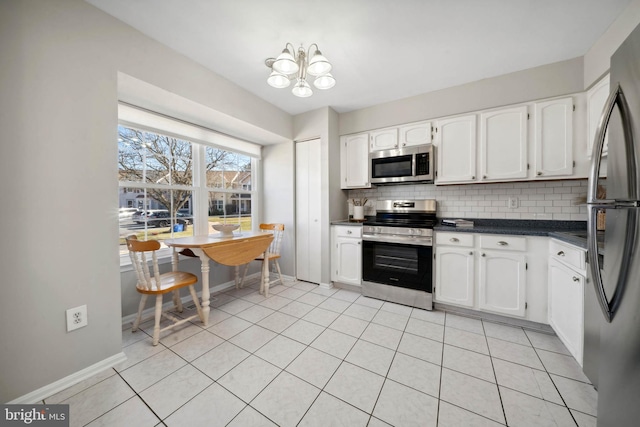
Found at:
(199, 189)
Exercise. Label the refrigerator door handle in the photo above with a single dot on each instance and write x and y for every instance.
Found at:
(594, 204)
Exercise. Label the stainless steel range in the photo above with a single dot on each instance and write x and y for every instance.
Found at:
(397, 252)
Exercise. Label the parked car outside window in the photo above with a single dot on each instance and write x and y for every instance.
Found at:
(160, 218)
(126, 213)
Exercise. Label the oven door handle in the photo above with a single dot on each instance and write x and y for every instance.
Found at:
(403, 240)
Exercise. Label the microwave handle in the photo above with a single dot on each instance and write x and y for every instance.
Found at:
(414, 165)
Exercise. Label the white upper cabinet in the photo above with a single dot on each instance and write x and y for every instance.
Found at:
(503, 144)
(384, 139)
(554, 138)
(414, 134)
(354, 161)
(456, 149)
(596, 98)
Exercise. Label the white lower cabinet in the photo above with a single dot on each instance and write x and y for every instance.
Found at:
(500, 274)
(566, 295)
(455, 269)
(346, 254)
(502, 284)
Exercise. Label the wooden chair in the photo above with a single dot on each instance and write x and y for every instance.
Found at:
(272, 255)
(158, 285)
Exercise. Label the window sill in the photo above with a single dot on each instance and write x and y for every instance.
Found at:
(164, 257)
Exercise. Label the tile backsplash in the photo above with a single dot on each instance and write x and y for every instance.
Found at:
(544, 200)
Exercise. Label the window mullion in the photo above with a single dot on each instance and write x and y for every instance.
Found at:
(201, 208)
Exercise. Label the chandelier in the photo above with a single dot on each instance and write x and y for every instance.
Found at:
(288, 67)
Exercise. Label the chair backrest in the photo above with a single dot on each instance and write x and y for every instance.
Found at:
(278, 231)
(138, 250)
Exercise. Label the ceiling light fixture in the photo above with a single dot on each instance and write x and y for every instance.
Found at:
(290, 66)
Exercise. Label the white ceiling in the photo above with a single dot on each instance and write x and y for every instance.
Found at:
(381, 50)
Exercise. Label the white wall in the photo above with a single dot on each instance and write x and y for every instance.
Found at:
(597, 59)
(278, 198)
(551, 80)
(59, 176)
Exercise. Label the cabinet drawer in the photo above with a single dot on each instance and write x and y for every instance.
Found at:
(511, 243)
(454, 239)
(567, 254)
(348, 231)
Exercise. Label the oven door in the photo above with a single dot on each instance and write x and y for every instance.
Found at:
(397, 264)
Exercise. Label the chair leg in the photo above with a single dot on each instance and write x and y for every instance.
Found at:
(177, 302)
(158, 315)
(279, 273)
(136, 322)
(265, 278)
(194, 296)
(246, 267)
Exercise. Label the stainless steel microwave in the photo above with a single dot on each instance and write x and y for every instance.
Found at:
(410, 164)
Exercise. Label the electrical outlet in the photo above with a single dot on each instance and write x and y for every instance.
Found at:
(76, 318)
(513, 202)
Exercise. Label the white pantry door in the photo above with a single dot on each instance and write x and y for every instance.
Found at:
(308, 211)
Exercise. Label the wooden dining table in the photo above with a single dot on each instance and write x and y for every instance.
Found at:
(241, 248)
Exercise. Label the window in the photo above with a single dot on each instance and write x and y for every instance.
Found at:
(168, 184)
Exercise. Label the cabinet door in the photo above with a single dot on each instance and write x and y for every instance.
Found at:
(502, 283)
(554, 138)
(385, 139)
(354, 161)
(566, 299)
(347, 257)
(456, 150)
(596, 98)
(415, 134)
(455, 276)
(503, 144)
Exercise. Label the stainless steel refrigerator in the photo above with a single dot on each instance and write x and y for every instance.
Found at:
(615, 270)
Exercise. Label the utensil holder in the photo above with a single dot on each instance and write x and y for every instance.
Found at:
(358, 212)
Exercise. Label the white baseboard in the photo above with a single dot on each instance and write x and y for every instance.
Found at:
(186, 300)
(326, 285)
(66, 382)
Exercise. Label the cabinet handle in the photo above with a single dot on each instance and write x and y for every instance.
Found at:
(539, 173)
(404, 144)
(396, 146)
(471, 253)
(349, 232)
(561, 253)
(359, 242)
(484, 255)
(484, 176)
(575, 279)
(473, 177)
(454, 239)
(503, 243)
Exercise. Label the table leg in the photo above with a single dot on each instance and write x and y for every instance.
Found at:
(174, 267)
(265, 276)
(204, 259)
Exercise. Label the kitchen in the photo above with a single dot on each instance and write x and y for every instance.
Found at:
(541, 83)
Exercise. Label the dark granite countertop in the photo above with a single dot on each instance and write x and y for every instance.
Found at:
(572, 232)
(346, 222)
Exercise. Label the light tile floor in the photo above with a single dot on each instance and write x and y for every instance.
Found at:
(313, 357)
